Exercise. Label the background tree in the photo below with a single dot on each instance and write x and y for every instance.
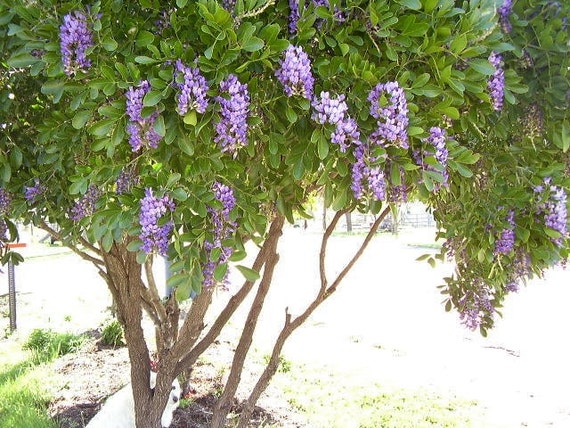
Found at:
(189, 128)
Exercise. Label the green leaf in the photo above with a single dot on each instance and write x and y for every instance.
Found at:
(110, 44)
(21, 60)
(248, 273)
(323, 148)
(102, 128)
(144, 38)
(141, 59)
(411, 4)
(253, 44)
(482, 66)
(190, 118)
(152, 98)
(134, 245)
(81, 118)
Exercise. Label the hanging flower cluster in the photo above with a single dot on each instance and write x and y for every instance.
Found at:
(496, 83)
(126, 180)
(223, 228)
(31, 193)
(75, 39)
(85, 206)
(506, 242)
(333, 111)
(193, 89)
(155, 236)
(231, 129)
(295, 74)
(437, 141)
(475, 305)
(504, 12)
(363, 173)
(389, 107)
(140, 129)
(552, 207)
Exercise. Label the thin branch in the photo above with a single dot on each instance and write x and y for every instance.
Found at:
(233, 304)
(324, 242)
(150, 293)
(367, 239)
(84, 255)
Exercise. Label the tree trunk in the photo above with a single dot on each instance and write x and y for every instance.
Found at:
(223, 405)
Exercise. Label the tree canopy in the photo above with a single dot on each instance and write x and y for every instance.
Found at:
(185, 127)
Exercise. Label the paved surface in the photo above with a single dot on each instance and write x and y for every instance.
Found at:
(385, 324)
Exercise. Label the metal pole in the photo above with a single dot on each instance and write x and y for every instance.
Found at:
(12, 296)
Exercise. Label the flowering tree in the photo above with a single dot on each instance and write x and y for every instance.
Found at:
(188, 128)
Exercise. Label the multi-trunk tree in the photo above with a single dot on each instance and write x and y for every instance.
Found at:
(189, 128)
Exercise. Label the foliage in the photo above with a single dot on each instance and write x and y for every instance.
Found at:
(47, 345)
(112, 334)
(187, 128)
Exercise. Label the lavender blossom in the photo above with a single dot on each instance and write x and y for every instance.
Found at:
(193, 89)
(155, 236)
(329, 110)
(126, 180)
(389, 107)
(363, 173)
(85, 206)
(496, 84)
(31, 193)
(553, 208)
(475, 305)
(346, 132)
(506, 242)
(223, 228)
(293, 16)
(141, 130)
(504, 12)
(75, 40)
(295, 73)
(5, 200)
(231, 129)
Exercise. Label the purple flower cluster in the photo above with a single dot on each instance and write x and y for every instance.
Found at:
(389, 107)
(193, 89)
(363, 172)
(437, 139)
(293, 15)
(475, 305)
(31, 193)
(496, 83)
(223, 228)
(141, 130)
(398, 193)
(295, 73)
(85, 206)
(506, 242)
(5, 200)
(75, 39)
(163, 21)
(155, 236)
(553, 208)
(126, 180)
(504, 12)
(328, 110)
(231, 129)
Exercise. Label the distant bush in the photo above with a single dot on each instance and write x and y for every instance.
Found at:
(46, 345)
(112, 334)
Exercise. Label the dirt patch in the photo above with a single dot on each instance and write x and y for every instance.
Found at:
(84, 379)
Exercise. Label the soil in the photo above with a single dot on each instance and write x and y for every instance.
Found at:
(97, 371)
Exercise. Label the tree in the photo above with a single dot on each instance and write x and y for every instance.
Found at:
(189, 128)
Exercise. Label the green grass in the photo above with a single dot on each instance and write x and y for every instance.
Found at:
(24, 379)
(334, 400)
